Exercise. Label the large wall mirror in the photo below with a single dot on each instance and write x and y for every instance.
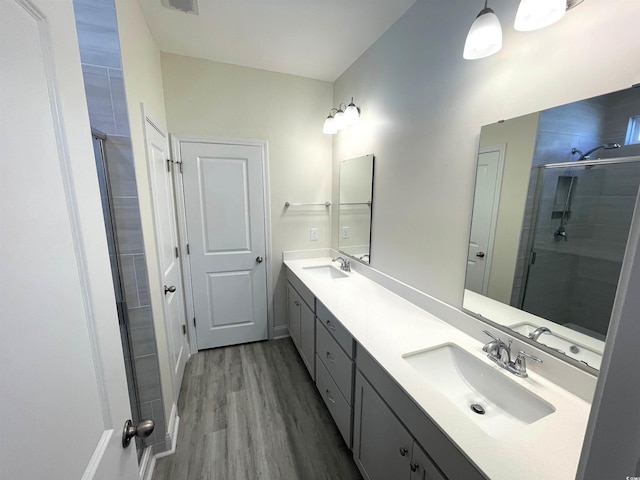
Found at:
(554, 201)
(354, 210)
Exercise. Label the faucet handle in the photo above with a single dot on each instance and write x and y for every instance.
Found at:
(491, 335)
(519, 367)
(522, 354)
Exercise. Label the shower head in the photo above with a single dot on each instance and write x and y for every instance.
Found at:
(604, 146)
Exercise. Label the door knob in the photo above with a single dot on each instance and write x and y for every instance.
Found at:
(142, 430)
(259, 259)
(169, 289)
(480, 254)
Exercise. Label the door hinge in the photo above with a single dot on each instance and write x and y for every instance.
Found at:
(168, 165)
(180, 163)
(177, 254)
(533, 258)
(184, 329)
(188, 250)
(194, 321)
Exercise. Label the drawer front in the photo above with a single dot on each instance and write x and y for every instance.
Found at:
(340, 410)
(336, 361)
(335, 328)
(302, 289)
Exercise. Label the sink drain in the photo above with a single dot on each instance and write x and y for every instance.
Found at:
(477, 408)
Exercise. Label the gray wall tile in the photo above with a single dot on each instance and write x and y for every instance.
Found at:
(128, 225)
(98, 92)
(122, 177)
(148, 377)
(118, 97)
(142, 280)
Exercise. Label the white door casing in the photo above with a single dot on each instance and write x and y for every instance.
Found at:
(171, 284)
(224, 196)
(484, 219)
(64, 399)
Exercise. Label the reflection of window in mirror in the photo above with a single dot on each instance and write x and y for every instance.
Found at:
(633, 132)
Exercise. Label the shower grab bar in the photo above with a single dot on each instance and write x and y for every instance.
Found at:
(289, 204)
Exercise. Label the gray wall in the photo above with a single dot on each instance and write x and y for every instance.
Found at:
(103, 79)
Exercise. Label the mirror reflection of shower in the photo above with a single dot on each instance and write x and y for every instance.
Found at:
(560, 233)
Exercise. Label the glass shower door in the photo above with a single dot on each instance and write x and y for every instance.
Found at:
(581, 231)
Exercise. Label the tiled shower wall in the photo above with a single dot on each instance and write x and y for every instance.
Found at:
(590, 260)
(102, 70)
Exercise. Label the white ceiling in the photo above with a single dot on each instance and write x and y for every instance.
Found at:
(311, 38)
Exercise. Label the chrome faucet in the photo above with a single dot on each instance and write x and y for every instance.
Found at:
(500, 353)
(535, 335)
(344, 264)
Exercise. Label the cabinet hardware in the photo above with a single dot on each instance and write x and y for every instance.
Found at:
(414, 467)
(403, 451)
(329, 326)
(169, 289)
(329, 358)
(329, 397)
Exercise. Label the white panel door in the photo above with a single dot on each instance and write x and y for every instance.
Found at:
(63, 392)
(224, 202)
(485, 211)
(164, 213)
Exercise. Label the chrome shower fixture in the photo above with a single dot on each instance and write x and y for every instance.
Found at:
(585, 155)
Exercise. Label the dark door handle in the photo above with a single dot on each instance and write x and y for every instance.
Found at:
(169, 289)
(480, 254)
(259, 259)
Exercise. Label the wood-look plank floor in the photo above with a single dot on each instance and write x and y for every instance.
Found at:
(252, 412)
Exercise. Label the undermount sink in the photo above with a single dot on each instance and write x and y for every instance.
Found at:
(567, 346)
(325, 271)
(494, 402)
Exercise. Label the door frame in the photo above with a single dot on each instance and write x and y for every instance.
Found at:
(176, 142)
(501, 149)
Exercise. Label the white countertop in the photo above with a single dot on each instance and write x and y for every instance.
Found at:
(388, 326)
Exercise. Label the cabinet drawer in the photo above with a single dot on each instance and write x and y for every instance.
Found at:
(302, 289)
(335, 328)
(337, 363)
(336, 403)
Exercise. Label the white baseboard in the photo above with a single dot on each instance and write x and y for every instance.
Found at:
(171, 439)
(281, 331)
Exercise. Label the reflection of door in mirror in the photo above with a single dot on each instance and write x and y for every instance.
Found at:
(485, 216)
(356, 196)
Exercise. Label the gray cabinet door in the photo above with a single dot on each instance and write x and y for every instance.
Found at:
(422, 468)
(381, 445)
(307, 345)
(294, 305)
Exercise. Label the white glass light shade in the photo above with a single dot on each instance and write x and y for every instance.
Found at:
(329, 126)
(339, 120)
(485, 36)
(535, 14)
(351, 114)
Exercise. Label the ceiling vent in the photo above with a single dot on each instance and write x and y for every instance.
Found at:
(186, 6)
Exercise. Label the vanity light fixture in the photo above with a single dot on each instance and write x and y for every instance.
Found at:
(342, 118)
(485, 35)
(536, 14)
(330, 124)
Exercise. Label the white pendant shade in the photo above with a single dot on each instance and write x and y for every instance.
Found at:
(535, 14)
(329, 126)
(485, 36)
(351, 115)
(340, 121)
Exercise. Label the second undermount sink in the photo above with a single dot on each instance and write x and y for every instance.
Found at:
(494, 402)
(325, 271)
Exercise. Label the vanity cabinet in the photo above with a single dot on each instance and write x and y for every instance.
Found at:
(301, 323)
(382, 447)
(335, 369)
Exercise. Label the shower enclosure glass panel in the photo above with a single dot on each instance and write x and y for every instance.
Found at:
(584, 214)
(123, 320)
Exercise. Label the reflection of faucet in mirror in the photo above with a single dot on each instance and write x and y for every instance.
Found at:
(585, 155)
(535, 335)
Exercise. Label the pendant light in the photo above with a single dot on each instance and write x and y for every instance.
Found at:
(485, 35)
(330, 124)
(536, 14)
(352, 114)
(339, 119)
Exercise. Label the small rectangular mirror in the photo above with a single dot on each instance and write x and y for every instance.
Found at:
(354, 210)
